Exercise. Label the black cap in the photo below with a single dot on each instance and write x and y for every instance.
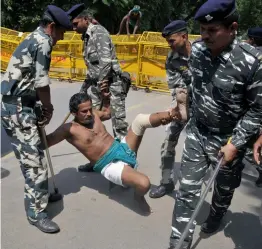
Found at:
(58, 16)
(255, 32)
(75, 10)
(215, 10)
(174, 27)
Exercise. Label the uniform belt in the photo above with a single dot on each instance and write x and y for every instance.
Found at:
(25, 100)
(223, 130)
(111, 79)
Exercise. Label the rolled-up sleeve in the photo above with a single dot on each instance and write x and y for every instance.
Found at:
(103, 43)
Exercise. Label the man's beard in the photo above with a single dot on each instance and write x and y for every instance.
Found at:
(87, 122)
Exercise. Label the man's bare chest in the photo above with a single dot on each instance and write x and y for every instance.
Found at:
(87, 135)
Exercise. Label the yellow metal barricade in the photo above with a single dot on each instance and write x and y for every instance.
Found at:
(153, 50)
(10, 39)
(127, 49)
(67, 60)
(143, 56)
(79, 69)
(192, 38)
(60, 67)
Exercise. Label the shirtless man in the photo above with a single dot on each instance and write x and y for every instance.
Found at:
(115, 160)
(132, 20)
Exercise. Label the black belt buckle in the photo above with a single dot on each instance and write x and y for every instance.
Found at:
(9, 99)
(28, 102)
(25, 101)
(38, 111)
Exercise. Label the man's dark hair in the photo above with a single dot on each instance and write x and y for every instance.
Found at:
(78, 99)
(44, 22)
(257, 41)
(86, 14)
(230, 19)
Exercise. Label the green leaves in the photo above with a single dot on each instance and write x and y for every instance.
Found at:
(107, 2)
(23, 15)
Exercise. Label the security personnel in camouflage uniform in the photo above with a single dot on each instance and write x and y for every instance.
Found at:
(255, 39)
(226, 102)
(26, 81)
(178, 77)
(101, 61)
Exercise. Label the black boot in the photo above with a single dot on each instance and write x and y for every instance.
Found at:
(86, 168)
(259, 179)
(211, 224)
(45, 225)
(161, 190)
(53, 197)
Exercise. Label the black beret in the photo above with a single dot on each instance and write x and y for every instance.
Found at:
(75, 10)
(215, 10)
(174, 27)
(58, 16)
(255, 32)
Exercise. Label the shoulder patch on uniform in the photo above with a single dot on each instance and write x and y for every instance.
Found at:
(251, 50)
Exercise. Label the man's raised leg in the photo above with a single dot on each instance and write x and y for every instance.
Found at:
(144, 121)
(130, 176)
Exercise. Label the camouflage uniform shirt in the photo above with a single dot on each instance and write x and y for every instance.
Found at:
(29, 65)
(99, 53)
(227, 98)
(178, 73)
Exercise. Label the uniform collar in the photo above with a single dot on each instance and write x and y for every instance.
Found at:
(90, 29)
(225, 55)
(175, 55)
(42, 32)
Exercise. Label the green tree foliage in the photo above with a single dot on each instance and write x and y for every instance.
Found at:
(250, 14)
(24, 15)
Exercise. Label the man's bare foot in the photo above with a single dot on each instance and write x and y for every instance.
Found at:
(142, 203)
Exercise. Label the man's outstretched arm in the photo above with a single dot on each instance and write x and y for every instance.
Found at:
(105, 112)
(61, 133)
(122, 25)
(137, 25)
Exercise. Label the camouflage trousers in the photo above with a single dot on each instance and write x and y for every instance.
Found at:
(117, 106)
(200, 151)
(168, 151)
(20, 125)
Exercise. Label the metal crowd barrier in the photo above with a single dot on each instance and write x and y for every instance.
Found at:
(142, 55)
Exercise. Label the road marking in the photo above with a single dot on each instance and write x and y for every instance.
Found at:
(9, 155)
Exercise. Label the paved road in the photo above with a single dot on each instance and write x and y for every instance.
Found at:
(92, 218)
(5, 144)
